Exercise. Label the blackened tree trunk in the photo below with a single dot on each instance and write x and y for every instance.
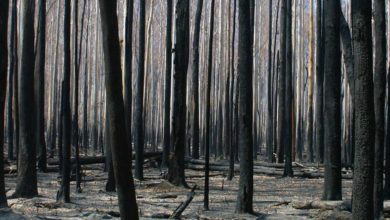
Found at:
(245, 191)
(288, 121)
(110, 184)
(208, 111)
(319, 115)
(269, 88)
(233, 142)
(282, 82)
(379, 15)
(11, 74)
(27, 175)
(77, 57)
(64, 191)
(128, 96)
(363, 179)
(3, 85)
(195, 81)
(167, 89)
(139, 98)
(39, 86)
(176, 161)
(332, 85)
(116, 111)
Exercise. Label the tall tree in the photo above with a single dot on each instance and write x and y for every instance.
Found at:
(128, 96)
(27, 174)
(309, 132)
(39, 86)
(116, 111)
(195, 80)
(288, 123)
(282, 82)
(176, 162)
(379, 15)
(208, 104)
(139, 98)
(232, 138)
(245, 192)
(11, 74)
(363, 179)
(3, 85)
(319, 115)
(64, 191)
(167, 89)
(269, 88)
(332, 85)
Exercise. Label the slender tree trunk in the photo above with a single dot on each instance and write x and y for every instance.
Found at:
(11, 74)
(363, 179)
(64, 191)
(208, 107)
(139, 97)
(167, 89)
(288, 121)
(39, 86)
(110, 184)
(176, 165)
(195, 81)
(309, 134)
(269, 89)
(245, 191)
(282, 82)
(128, 96)
(332, 86)
(233, 142)
(27, 175)
(319, 115)
(3, 85)
(116, 111)
(379, 15)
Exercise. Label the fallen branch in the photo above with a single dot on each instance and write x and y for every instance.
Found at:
(180, 209)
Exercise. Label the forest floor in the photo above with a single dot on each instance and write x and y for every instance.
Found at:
(274, 197)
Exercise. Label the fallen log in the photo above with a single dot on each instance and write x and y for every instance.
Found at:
(87, 160)
(255, 163)
(266, 170)
(182, 207)
(342, 205)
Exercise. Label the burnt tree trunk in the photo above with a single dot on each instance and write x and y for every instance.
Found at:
(379, 15)
(319, 113)
(363, 179)
(332, 93)
(208, 109)
(139, 98)
(3, 85)
(288, 121)
(245, 191)
(167, 89)
(116, 111)
(11, 74)
(195, 81)
(26, 186)
(176, 161)
(64, 191)
(39, 86)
